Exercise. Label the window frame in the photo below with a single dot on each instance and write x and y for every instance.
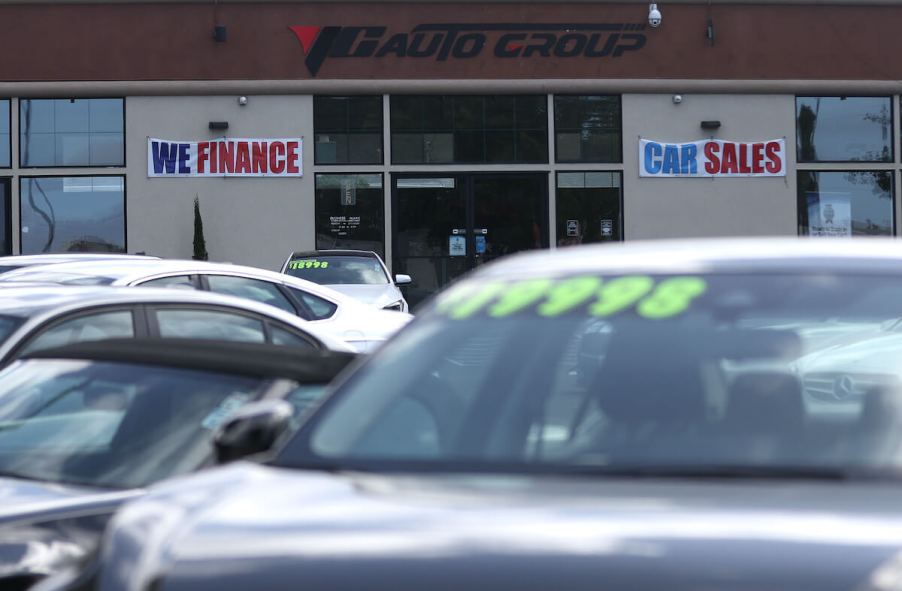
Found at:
(71, 166)
(892, 129)
(123, 176)
(557, 158)
(10, 123)
(350, 162)
(894, 176)
(620, 220)
(316, 175)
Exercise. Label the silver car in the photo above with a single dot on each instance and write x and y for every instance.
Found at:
(11, 263)
(360, 274)
(37, 318)
(345, 318)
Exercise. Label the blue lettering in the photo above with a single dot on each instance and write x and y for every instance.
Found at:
(183, 159)
(164, 155)
(652, 158)
(671, 159)
(688, 159)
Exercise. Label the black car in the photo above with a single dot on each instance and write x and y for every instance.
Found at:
(591, 419)
(85, 427)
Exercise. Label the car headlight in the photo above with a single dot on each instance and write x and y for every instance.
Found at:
(397, 306)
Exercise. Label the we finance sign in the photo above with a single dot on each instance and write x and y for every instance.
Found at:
(712, 158)
(225, 157)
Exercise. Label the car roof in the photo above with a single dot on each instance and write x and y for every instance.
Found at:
(46, 259)
(335, 253)
(249, 359)
(788, 255)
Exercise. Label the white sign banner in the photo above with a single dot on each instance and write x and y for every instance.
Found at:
(712, 158)
(829, 214)
(278, 157)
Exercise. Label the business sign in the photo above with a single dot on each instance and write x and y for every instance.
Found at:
(225, 157)
(443, 41)
(829, 214)
(712, 158)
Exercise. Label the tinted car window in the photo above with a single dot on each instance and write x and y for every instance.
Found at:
(343, 270)
(251, 289)
(110, 424)
(92, 327)
(209, 324)
(176, 281)
(319, 309)
(596, 372)
(281, 336)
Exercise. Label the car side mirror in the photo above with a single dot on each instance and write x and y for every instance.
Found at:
(253, 429)
(403, 280)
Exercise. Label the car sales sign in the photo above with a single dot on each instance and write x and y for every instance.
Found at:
(225, 157)
(712, 158)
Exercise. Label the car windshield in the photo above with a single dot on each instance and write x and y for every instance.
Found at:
(630, 372)
(338, 270)
(112, 425)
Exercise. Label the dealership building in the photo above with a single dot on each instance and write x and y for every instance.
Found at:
(443, 134)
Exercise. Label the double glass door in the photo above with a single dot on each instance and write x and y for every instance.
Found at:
(446, 225)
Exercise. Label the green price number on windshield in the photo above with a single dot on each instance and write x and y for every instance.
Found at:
(308, 264)
(671, 297)
(619, 294)
(460, 304)
(569, 294)
(519, 296)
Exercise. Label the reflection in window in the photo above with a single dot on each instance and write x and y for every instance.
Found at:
(207, 324)
(839, 129)
(588, 207)
(587, 128)
(350, 212)
(854, 203)
(347, 129)
(5, 160)
(72, 132)
(469, 129)
(95, 327)
(250, 289)
(72, 214)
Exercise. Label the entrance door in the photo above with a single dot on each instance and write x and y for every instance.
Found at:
(445, 225)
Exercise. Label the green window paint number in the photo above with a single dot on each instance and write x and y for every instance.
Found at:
(308, 265)
(671, 297)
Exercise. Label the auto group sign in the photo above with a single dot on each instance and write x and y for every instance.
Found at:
(712, 158)
(269, 157)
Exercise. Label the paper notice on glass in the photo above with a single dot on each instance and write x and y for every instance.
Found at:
(829, 214)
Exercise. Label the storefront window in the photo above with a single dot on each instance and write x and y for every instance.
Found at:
(5, 140)
(469, 129)
(72, 132)
(350, 212)
(588, 207)
(844, 129)
(851, 203)
(347, 129)
(72, 214)
(587, 129)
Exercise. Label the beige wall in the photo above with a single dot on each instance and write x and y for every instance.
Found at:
(667, 208)
(254, 221)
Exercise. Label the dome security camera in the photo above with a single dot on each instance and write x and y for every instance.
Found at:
(242, 100)
(654, 15)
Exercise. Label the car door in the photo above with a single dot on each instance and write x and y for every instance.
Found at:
(222, 323)
(98, 323)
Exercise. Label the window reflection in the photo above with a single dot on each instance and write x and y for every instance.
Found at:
(852, 203)
(350, 212)
(587, 128)
(72, 132)
(348, 129)
(840, 129)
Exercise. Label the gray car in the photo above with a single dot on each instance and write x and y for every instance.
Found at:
(485, 447)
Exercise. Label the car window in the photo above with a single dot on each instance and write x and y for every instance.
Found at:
(176, 281)
(251, 289)
(339, 270)
(319, 308)
(90, 327)
(280, 336)
(208, 324)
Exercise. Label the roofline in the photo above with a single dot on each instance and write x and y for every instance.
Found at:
(306, 2)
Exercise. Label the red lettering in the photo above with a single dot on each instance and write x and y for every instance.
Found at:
(202, 156)
(293, 158)
(243, 164)
(226, 157)
(774, 162)
(757, 157)
(744, 167)
(213, 158)
(729, 159)
(277, 157)
(259, 158)
(712, 166)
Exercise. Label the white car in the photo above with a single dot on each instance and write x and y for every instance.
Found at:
(354, 322)
(19, 261)
(360, 274)
(37, 318)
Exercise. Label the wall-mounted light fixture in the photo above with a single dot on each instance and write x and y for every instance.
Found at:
(219, 125)
(220, 33)
(710, 125)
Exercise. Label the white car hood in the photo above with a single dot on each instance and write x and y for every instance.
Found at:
(375, 295)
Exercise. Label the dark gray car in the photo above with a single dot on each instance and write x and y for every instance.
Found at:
(488, 447)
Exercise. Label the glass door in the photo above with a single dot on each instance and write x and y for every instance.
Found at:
(446, 225)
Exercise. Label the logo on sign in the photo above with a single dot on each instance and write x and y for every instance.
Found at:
(461, 41)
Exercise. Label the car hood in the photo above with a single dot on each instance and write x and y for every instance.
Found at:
(257, 527)
(375, 295)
